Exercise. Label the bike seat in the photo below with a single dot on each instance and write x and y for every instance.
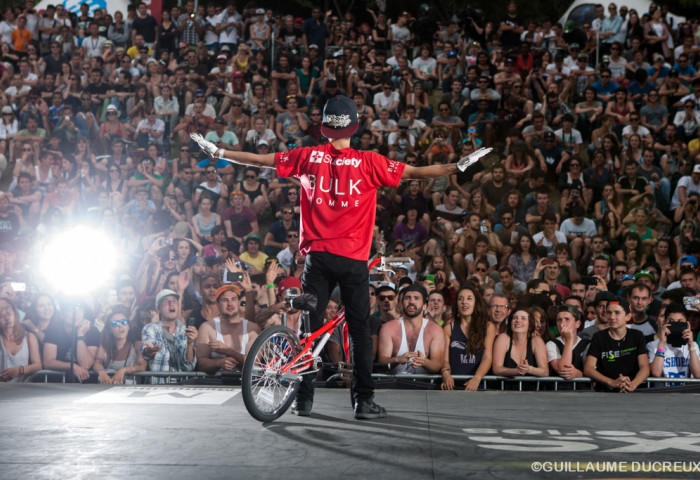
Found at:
(305, 301)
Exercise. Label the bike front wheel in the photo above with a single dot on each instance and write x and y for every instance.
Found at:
(267, 391)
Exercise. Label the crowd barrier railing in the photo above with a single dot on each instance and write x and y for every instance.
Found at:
(489, 382)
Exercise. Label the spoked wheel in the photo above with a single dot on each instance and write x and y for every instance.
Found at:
(267, 392)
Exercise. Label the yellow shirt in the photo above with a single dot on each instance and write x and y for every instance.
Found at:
(258, 262)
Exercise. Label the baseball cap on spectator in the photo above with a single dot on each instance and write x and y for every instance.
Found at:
(696, 168)
(569, 26)
(339, 117)
(229, 287)
(237, 73)
(549, 136)
(658, 57)
(263, 142)
(184, 45)
(7, 109)
(163, 294)
(110, 108)
(313, 46)
(118, 50)
(260, 11)
(509, 60)
(644, 273)
(255, 237)
(575, 46)
(220, 120)
(548, 261)
(451, 53)
(414, 287)
(384, 286)
(603, 297)
(181, 229)
(583, 56)
(689, 259)
(199, 92)
(403, 123)
(339, 53)
(225, 48)
(108, 43)
(403, 266)
(298, 20)
(288, 282)
(221, 57)
(621, 302)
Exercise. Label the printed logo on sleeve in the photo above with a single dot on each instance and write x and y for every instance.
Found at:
(316, 157)
(393, 166)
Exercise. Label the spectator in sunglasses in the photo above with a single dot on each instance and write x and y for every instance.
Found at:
(119, 350)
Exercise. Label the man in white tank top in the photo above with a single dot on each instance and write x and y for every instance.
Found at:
(412, 343)
(223, 341)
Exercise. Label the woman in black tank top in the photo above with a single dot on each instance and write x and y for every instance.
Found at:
(517, 352)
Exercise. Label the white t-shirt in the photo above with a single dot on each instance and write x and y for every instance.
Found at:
(569, 139)
(627, 131)
(547, 243)
(229, 34)
(690, 187)
(587, 227)
(6, 30)
(553, 351)
(554, 71)
(211, 22)
(385, 101)
(426, 67)
(676, 359)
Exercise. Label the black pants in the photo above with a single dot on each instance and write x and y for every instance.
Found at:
(322, 272)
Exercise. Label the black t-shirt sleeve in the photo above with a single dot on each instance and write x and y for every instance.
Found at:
(53, 334)
(594, 348)
(639, 342)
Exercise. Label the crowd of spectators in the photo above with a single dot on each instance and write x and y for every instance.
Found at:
(584, 226)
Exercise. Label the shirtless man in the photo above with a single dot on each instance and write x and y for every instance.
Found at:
(412, 343)
(223, 342)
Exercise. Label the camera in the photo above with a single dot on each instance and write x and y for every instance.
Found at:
(376, 277)
(675, 336)
(589, 281)
(692, 201)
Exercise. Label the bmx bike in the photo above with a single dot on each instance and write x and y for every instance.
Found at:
(275, 363)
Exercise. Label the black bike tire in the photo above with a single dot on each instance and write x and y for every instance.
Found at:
(247, 374)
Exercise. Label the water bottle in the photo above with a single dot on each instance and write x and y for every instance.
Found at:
(382, 245)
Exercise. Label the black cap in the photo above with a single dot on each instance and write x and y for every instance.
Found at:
(414, 287)
(339, 117)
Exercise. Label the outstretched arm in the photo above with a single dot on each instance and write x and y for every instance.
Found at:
(244, 158)
(470, 163)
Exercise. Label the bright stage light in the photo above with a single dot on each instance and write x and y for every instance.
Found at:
(78, 261)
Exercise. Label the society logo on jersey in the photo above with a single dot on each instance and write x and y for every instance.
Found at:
(321, 157)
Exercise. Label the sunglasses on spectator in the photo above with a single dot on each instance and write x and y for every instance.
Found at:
(399, 250)
(211, 171)
(113, 170)
(27, 150)
(185, 149)
(293, 235)
(483, 270)
(123, 321)
(292, 192)
(187, 172)
(626, 277)
(387, 297)
(620, 272)
(250, 176)
(288, 211)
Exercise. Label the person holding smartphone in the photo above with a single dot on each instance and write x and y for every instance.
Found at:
(338, 210)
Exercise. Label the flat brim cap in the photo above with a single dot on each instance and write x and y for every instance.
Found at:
(339, 117)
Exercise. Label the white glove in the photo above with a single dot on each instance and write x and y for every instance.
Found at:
(206, 146)
(471, 159)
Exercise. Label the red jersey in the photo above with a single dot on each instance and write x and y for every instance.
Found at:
(339, 199)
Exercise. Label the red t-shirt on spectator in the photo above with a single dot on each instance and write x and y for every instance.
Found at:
(339, 196)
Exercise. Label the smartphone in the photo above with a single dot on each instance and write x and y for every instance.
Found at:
(589, 280)
(18, 287)
(190, 322)
(376, 277)
(234, 277)
(430, 277)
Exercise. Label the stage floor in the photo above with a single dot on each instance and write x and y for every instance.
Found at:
(98, 432)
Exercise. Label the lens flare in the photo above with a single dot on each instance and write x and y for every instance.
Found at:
(78, 261)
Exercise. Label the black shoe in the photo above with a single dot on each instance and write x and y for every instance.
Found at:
(367, 410)
(302, 408)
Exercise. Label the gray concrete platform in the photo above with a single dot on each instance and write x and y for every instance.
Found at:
(101, 432)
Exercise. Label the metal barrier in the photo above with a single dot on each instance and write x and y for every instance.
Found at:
(487, 382)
